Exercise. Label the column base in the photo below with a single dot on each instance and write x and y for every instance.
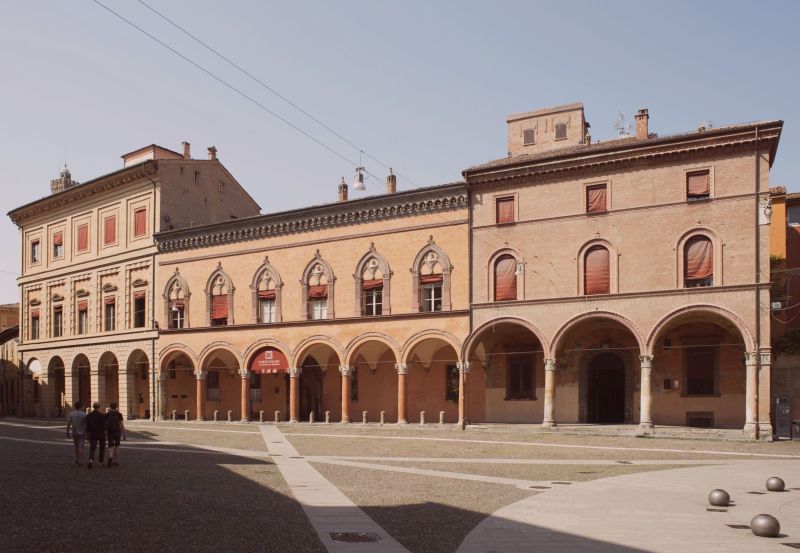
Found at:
(345, 421)
(645, 429)
(200, 419)
(292, 421)
(245, 419)
(765, 431)
(750, 430)
(402, 421)
(549, 424)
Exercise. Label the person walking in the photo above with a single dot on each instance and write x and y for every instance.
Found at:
(76, 429)
(115, 429)
(96, 428)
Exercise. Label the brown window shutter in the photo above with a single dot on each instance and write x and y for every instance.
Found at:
(83, 305)
(505, 279)
(139, 295)
(318, 292)
(372, 284)
(110, 234)
(83, 238)
(431, 279)
(596, 199)
(34, 313)
(698, 184)
(596, 271)
(266, 294)
(219, 306)
(505, 210)
(699, 258)
(110, 300)
(140, 222)
(58, 239)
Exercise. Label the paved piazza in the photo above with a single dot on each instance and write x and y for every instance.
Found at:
(205, 487)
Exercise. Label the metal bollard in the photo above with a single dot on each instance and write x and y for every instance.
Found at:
(383, 417)
(311, 417)
(216, 415)
(277, 416)
(364, 417)
(230, 415)
(174, 414)
(422, 418)
(186, 415)
(261, 416)
(441, 417)
(327, 417)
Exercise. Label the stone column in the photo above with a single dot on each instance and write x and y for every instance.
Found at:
(97, 384)
(125, 392)
(245, 374)
(463, 371)
(549, 418)
(162, 395)
(646, 396)
(201, 394)
(294, 392)
(345, 372)
(402, 372)
(764, 396)
(751, 385)
(70, 389)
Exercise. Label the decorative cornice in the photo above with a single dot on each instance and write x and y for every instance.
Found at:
(439, 199)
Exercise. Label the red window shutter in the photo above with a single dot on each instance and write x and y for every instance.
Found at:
(266, 294)
(372, 284)
(34, 313)
(596, 199)
(318, 292)
(698, 185)
(596, 271)
(430, 279)
(58, 308)
(110, 300)
(219, 307)
(505, 279)
(83, 238)
(505, 210)
(140, 222)
(83, 305)
(176, 303)
(110, 234)
(699, 258)
(139, 295)
(58, 239)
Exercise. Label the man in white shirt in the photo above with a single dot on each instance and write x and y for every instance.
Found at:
(76, 421)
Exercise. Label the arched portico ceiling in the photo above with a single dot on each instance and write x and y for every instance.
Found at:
(80, 361)
(504, 326)
(220, 352)
(595, 320)
(718, 316)
(137, 358)
(427, 343)
(320, 347)
(371, 347)
(174, 351)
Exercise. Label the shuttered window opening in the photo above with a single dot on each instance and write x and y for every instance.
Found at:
(58, 244)
(698, 185)
(140, 222)
(596, 199)
(318, 309)
(83, 317)
(528, 137)
(318, 292)
(35, 251)
(83, 238)
(176, 313)
(58, 321)
(34, 332)
(505, 278)
(109, 315)
(596, 268)
(505, 210)
(698, 262)
(561, 131)
(431, 292)
(139, 303)
(219, 310)
(266, 309)
(110, 230)
(373, 300)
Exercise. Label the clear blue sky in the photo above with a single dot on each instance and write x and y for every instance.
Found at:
(423, 86)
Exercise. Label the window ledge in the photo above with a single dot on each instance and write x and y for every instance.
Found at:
(506, 224)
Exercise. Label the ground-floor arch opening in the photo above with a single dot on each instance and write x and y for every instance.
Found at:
(52, 395)
(81, 381)
(222, 386)
(108, 378)
(606, 380)
(268, 384)
(433, 380)
(138, 382)
(177, 387)
(376, 381)
(320, 387)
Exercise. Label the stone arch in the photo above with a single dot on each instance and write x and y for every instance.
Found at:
(208, 351)
(176, 291)
(109, 378)
(307, 344)
(491, 272)
(425, 262)
(81, 370)
(316, 273)
(259, 345)
(443, 335)
(570, 324)
(469, 343)
(716, 244)
(613, 268)
(220, 282)
(361, 339)
(174, 350)
(265, 276)
(744, 331)
(371, 263)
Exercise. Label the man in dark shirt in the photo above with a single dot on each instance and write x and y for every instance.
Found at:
(115, 429)
(96, 428)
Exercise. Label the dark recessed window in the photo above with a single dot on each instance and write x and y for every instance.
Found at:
(561, 131)
(451, 383)
(701, 370)
(520, 378)
(528, 137)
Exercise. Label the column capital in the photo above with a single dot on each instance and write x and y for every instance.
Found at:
(646, 361)
(295, 372)
(161, 376)
(750, 358)
(345, 371)
(765, 357)
(463, 367)
(244, 373)
(200, 375)
(401, 369)
(549, 364)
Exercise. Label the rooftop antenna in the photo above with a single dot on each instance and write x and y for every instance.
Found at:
(622, 128)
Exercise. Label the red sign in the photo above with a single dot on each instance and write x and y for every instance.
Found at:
(269, 360)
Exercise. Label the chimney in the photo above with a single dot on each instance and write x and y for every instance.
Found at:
(391, 182)
(212, 153)
(642, 118)
(342, 191)
(186, 150)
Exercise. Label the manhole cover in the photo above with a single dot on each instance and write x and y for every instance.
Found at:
(716, 510)
(757, 493)
(540, 487)
(739, 526)
(355, 537)
(792, 545)
(625, 462)
(562, 483)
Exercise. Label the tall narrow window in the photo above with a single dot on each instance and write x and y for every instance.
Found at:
(34, 333)
(505, 278)
(698, 262)
(596, 269)
(212, 386)
(58, 245)
(36, 251)
(266, 306)
(176, 314)
(354, 384)
(561, 131)
(318, 302)
(431, 288)
(255, 387)
(109, 314)
(219, 310)
(520, 378)
(701, 370)
(140, 222)
(504, 211)
(58, 321)
(451, 383)
(83, 237)
(83, 317)
(139, 310)
(110, 230)
(372, 297)
(698, 185)
(596, 198)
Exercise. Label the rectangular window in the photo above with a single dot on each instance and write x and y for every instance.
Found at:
(109, 315)
(212, 383)
(561, 131)
(793, 216)
(140, 222)
(83, 317)
(520, 378)
(255, 387)
(373, 301)
(528, 137)
(432, 297)
(504, 212)
(110, 230)
(701, 364)
(266, 310)
(219, 310)
(698, 185)
(354, 384)
(58, 321)
(58, 245)
(176, 314)
(451, 383)
(34, 333)
(596, 198)
(139, 302)
(318, 309)
(83, 238)
(36, 251)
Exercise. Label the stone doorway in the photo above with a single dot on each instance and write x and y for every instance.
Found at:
(606, 389)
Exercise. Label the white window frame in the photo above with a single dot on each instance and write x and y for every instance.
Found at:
(429, 298)
(266, 311)
(318, 309)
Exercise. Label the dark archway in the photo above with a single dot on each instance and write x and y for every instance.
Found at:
(311, 389)
(81, 379)
(606, 389)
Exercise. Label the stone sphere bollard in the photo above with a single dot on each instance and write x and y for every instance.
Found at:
(364, 417)
(261, 416)
(719, 498)
(765, 526)
(216, 415)
(327, 417)
(383, 417)
(775, 484)
(186, 415)
(277, 416)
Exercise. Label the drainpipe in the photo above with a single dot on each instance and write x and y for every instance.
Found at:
(153, 310)
(756, 288)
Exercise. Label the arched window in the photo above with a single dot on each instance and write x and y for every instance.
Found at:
(596, 271)
(698, 262)
(505, 278)
(372, 280)
(431, 279)
(318, 287)
(176, 302)
(266, 288)
(219, 296)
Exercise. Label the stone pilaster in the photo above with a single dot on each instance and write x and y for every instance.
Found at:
(346, 373)
(646, 396)
(549, 417)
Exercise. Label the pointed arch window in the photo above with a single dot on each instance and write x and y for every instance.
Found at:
(597, 271)
(266, 289)
(176, 302)
(698, 262)
(431, 279)
(318, 288)
(219, 296)
(372, 282)
(505, 278)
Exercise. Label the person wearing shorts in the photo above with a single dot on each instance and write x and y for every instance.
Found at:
(96, 428)
(115, 431)
(76, 423)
